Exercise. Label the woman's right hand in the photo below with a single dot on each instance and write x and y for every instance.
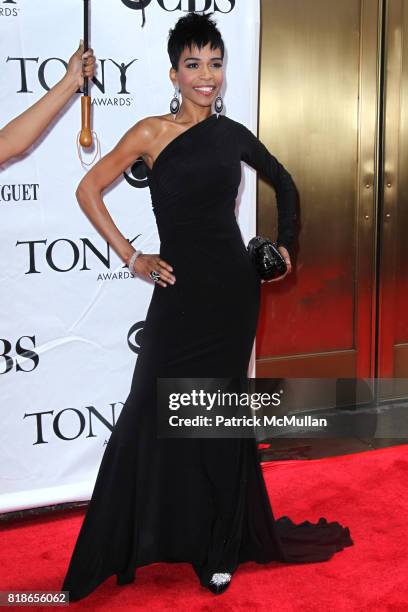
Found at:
(144, 264)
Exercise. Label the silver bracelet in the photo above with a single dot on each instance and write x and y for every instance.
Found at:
(133, 259)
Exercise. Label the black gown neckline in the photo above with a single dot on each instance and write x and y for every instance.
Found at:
(176, 139)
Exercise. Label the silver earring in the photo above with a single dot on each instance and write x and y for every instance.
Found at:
(175, 103)
(218, 105)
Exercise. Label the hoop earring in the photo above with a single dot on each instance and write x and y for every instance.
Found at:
(218, 105)
(175, 103)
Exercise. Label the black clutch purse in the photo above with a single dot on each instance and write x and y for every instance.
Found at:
(266, 257)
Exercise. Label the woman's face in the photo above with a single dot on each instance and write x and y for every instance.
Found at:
(200, 74)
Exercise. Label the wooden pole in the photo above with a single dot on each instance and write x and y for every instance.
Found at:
(85, 137)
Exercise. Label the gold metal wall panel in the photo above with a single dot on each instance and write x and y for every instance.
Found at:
(318, 116)
(393, 299)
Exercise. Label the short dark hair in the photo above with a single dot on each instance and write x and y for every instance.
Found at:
(193, 29)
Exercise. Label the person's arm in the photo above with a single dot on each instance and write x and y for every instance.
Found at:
(131, 146)
(23, 131)
(255, 153)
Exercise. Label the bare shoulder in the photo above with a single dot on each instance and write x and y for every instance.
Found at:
(151, 126)
(143, 130)
(147, 130)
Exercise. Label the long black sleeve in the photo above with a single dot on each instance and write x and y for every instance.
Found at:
(255, 153)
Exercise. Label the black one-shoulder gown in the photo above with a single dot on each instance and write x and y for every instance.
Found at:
(196, 500)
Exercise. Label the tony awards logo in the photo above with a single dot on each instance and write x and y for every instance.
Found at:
(8, 8)
(64, 255)
(111, 80)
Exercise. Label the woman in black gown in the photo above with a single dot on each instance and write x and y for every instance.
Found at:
(196, 500)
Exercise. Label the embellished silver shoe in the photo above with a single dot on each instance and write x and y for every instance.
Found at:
(219, 582)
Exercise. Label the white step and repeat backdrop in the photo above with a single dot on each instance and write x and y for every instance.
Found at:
(70, 313)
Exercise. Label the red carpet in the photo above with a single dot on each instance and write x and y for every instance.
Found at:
(367, 491)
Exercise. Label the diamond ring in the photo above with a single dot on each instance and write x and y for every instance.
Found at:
(154, 275)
